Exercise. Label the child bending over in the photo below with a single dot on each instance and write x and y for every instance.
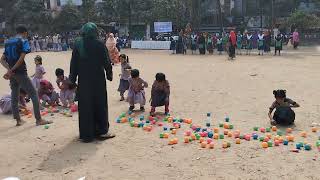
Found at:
(160, 93)
(47, 93)
(67, 89)
(283, 115)
(136, 94)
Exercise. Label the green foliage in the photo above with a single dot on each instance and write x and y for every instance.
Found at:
(68, 19)
(303, 20)
(31, 13)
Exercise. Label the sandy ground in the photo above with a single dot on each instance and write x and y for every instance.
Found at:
(199, 84)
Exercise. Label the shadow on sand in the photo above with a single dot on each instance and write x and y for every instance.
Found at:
(71, 155)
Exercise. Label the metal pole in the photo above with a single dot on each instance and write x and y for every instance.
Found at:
(220, 15)
(272, 13)
(261, 11)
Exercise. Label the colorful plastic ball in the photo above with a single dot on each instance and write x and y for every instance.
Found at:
(264, 145)
(209, 141)
(201, 139)
(230, 126)
(215, 130)
(165, 128)
(193, 137)
(276, 142)
(203, 144)
(279, 133)
(161, 135)
(165, 135)
(226, 126)
(261, 138)
(268, 129)
(241, 136)
(210, 134)
(303, 134)
(198, 129)
(247, 137)
(314, 129)
(229, 134)
(186, 139)
(270, 144)
(216, 136)
(220, 124)
(221, 136)
(289, 130)
(174, 131)
(307, 147)
(224, 145)
(255, 136)
(263, 130)
(285, 142)
(256, 128)
(274, 128)
(204, 129)
(211, 145)
(46, 126)
(238, 141)
(227, 119)
(188, 133)
(225, 132)
(298, 146)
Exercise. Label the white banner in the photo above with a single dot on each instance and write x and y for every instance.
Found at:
(162, 27)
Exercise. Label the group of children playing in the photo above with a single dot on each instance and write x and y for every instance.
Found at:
(45, 89)
(130, 80)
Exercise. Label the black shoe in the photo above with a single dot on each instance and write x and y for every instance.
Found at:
(142, 109)
(131, 108)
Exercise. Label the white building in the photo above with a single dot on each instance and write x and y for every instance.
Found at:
(57, 4)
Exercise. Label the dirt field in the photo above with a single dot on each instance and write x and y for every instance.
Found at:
(241, 89)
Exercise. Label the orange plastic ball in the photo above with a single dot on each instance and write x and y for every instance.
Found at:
(264, 144)
(274, 128)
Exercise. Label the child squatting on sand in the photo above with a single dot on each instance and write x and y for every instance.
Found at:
(283, 115)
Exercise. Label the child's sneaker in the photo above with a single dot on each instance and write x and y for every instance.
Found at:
(142, 109)
(122, 98)
(166, 113)
(131, 108)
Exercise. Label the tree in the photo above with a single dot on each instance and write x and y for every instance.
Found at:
(68, 19)
(303, 21)
(89, 10)
(31, 13)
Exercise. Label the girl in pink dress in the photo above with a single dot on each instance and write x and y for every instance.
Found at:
(112, 49)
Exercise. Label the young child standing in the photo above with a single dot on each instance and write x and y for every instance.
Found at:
(283, 115)
(278, 44)
(136, 94)
(219, 44)
(47, 93)
(67, 90)
(261, 43)
(239, 43)
(38, 75)
(160, 93)
(124, 76)
(249, 44)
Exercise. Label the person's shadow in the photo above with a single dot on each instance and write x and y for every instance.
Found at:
(70, 155)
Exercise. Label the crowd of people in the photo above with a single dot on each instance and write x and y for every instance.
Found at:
(232, 43)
